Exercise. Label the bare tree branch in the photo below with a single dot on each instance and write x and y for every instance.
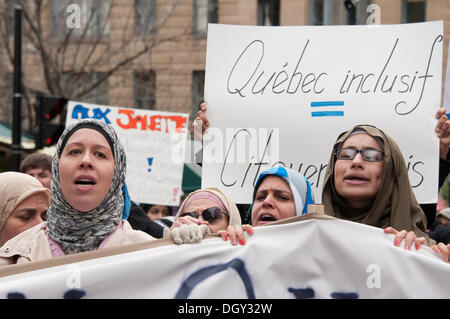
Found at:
(66, 56)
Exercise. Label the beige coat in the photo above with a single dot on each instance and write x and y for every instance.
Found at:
(32, 244)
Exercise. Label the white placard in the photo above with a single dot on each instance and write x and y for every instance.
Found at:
(447, 82)
(154, 143)
(307, 84)
(305, 259)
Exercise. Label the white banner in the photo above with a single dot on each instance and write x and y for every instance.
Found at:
(281, 95)
(155, 145)
(305, 259)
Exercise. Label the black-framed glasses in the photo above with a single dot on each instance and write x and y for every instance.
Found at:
(369, 155)
(212, 214)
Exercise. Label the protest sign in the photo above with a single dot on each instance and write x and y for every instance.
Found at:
(154, 143)
(327, 259)
(282, 95)
(447, 84)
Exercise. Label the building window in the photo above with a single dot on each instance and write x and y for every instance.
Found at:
(145, 90)
(269, 12)
(198, 88)
(345, 12)
(205, 11)
(413, 11)
(145, 17)
(316, 12)
(81, 86)
(100, 94)
(94, 18)
(8, 9)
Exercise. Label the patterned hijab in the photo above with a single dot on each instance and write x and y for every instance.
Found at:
(79, 231)
(395, 206)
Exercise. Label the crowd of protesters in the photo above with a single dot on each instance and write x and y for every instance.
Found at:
(77, 200)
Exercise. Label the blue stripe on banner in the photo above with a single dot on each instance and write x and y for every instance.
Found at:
(327, 113)
(448, 115)
(326, 103)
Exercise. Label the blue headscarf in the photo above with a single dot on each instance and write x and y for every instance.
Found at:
(299, 185)
(126, 201)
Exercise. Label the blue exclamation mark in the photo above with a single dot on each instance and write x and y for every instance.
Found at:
(150, 162)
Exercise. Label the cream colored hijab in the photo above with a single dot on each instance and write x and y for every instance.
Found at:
(235, 217)
(14, 189)
(394, 206)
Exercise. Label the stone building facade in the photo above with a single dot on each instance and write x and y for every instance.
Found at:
(170, 76)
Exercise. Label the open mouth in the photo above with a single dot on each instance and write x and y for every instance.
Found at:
(266, 218)
(85, 180)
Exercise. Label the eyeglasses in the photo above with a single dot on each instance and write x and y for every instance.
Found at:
(368, 155)
(212, 214)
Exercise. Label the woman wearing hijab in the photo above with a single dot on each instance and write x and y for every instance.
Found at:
(377, 215)
(202, 212)
(367, 182)
(24, 203)
(87, 199)
(279, 193)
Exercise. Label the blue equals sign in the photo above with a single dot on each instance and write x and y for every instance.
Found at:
(327, 113)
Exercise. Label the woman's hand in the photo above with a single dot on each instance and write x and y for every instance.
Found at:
(187, 230)
(187, 220)
(187, 233)
(201, 122)
(236, 234)
(442, 249)
(410, 238)
(443, 131)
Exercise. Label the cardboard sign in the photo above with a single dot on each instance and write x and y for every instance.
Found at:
(282, 95)
(154, 143)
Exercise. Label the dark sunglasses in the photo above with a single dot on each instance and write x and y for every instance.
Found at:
(212, 214)
(368, 155)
